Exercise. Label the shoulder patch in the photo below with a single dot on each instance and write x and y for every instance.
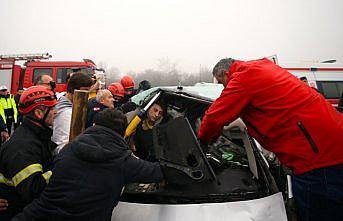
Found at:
(96, 109)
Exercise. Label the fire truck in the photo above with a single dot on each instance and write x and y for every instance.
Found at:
(19, 76)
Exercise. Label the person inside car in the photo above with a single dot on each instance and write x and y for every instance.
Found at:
(143, 137)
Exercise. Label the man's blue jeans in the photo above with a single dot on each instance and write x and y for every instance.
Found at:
(319, 194)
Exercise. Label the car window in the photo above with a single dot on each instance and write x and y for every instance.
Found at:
(40, 71)
(330, 89)
(62, 73)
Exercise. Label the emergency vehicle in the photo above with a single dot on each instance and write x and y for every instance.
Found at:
(16, 76)
(326, 77)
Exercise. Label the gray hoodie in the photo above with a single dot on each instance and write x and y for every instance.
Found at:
(62, 121)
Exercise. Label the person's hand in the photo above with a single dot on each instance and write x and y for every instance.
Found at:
(4, 136)
(3, 204)
(128, 107)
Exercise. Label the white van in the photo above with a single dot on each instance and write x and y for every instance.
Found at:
(326, 77)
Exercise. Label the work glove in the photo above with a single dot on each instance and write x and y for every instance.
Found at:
(128, 107)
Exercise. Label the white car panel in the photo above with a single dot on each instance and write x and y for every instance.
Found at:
(269, 208)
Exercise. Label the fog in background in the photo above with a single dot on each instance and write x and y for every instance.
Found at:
(178, 37)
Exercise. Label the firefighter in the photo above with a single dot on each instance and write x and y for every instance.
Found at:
(104, 99)
(118, 93)
(9, 111)
(290, 119)
(26, 158)
(90, 173)
(129, 87)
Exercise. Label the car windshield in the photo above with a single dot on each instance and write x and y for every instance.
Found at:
(205, 90)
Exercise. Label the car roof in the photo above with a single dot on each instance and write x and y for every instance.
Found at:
(207, 91)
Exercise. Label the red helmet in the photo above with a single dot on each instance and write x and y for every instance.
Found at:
(36, 96)
(116, 89)
(127, 82)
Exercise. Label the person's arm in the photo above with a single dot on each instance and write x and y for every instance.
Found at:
(3, 129)
(141, 171)
(26, 171)
(61, 129)
(224, 110)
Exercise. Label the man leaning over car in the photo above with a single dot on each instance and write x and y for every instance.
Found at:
(290, 119)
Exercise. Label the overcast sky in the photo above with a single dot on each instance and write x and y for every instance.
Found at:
(133, 35)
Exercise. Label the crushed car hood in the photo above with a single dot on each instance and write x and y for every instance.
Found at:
(269, 208)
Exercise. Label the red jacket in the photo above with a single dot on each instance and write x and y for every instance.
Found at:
(283, 114)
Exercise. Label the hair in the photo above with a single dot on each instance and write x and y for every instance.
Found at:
(100, 94)
(222, 66)
(162, 104)
(78, 80)
(112, 119)
(32, 112)
(303, 78)
(38, 79)
(144, 85)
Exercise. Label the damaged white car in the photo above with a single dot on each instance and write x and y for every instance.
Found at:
(227, 180)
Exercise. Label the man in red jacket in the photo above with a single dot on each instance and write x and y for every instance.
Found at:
(290, 119)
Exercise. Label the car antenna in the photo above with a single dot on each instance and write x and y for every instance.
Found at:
(179, 86)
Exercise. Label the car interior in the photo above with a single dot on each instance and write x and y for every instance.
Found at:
(230, 169)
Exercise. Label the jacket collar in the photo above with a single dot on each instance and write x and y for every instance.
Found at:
(232, 69)
(40, 131)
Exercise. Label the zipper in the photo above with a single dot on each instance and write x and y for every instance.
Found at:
(256, 130)
(308, 137)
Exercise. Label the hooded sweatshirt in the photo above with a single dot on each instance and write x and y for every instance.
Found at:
(88, 177)
(62, 121)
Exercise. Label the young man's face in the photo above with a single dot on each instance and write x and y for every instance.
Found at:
(155, 113)
(107, 99)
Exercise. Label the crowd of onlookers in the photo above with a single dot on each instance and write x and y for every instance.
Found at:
(35, 127)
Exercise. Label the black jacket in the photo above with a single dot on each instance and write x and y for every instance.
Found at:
(88, 177)
(93, 108)
(29, 145)
(3, 126)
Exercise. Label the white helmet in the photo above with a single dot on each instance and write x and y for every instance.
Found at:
(3, 87)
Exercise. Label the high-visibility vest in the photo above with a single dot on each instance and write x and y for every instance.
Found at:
(8, 103)
(25, 173)
(2, 114)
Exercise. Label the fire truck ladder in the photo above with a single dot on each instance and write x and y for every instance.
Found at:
(27, 57)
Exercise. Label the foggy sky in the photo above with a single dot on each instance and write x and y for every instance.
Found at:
(133, 34)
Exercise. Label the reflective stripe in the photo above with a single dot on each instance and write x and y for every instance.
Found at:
(47, 175)
(5, 180)
(26, 172)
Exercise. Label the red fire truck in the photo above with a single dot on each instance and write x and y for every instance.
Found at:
(16, 76)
